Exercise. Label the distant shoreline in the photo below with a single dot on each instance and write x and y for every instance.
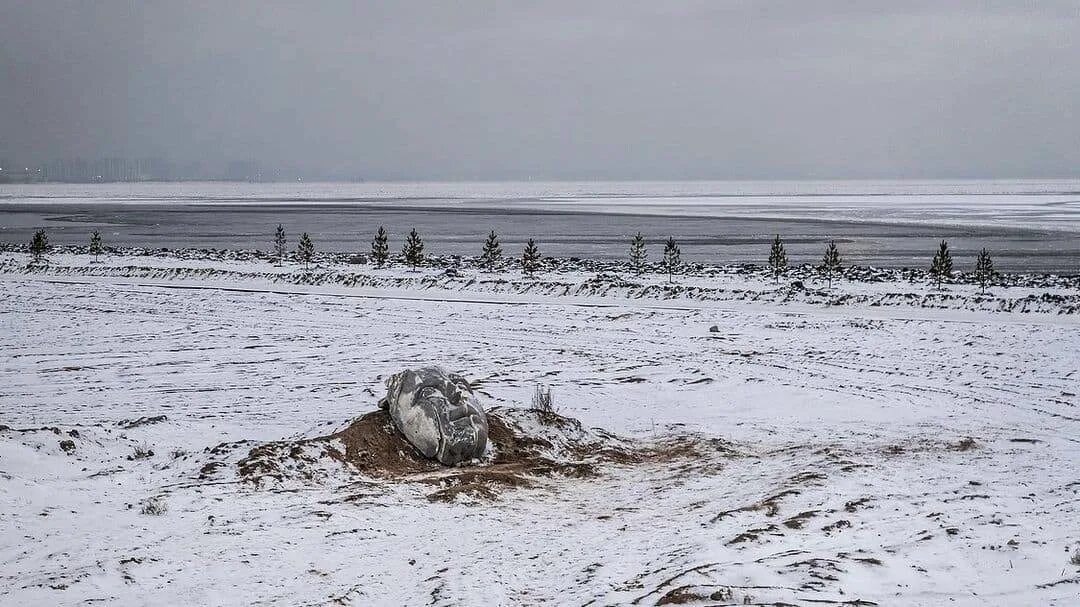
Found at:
(898, 224)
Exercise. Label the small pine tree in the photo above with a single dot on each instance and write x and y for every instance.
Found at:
(672, 257)
(413, 249)
(280, 244)
(96, 247)
(984, 270)
(491, 253)
(830, 263)
(305, 251)
(530, 258)
(380, 248)
(638, 254)
(777, 258)
(941, 265)
(39, 245)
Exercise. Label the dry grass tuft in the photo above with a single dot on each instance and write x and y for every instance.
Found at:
(154, 506)
(543, 400)
(141, 451)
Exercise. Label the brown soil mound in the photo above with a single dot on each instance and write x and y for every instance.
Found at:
(524, 445)
(374, 447)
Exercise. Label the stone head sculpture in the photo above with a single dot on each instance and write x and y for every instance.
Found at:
(437, 413)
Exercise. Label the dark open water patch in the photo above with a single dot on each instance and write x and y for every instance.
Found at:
(563, 233)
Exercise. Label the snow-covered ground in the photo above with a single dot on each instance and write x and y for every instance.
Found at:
(855, 446)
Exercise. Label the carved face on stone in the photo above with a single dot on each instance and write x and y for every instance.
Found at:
(437, 413)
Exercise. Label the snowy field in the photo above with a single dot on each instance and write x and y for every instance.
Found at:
(865, 453)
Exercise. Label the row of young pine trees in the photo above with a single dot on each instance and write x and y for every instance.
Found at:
(941, 266)
(412, 251)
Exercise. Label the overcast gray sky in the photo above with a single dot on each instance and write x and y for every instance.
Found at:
(572, 90)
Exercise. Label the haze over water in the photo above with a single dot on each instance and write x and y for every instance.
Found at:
(1027, 225)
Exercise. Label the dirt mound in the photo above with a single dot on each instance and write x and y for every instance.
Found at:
(524, 446)
(373, 446)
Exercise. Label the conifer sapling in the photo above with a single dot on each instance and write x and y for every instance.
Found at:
(830, 262)
(638, 254)
(96, 247)
(380, 248)
(530, 258)
(941, 265)
(413, 250)
(279, 244)
(672, 257)
(984, 270)
(777, 258)
(491, 253)
(305, 251)
(39, 244)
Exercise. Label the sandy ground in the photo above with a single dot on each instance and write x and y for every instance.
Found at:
(860, 455)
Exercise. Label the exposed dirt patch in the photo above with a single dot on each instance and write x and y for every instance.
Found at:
(688, 594)
(838, 525)
(964, 444)
(797, 521)
(1031, 441)
(752, 534)
(770, 505)
(477, 484)
(128, 424)
(209, 469)
(374, 447)
(524, 446)
(856, 504)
